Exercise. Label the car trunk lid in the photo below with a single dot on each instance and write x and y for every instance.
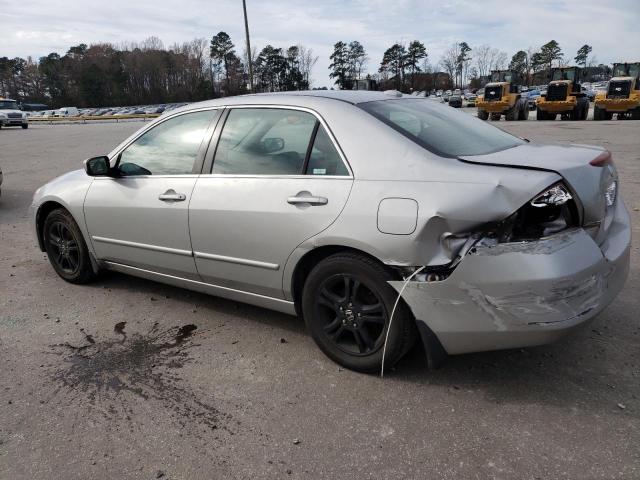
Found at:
(571, 162)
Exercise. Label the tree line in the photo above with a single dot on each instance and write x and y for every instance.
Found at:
(472, 66)
(144, 73)
(147, 72)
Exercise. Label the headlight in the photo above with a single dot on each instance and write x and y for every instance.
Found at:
(555, 195)
(611, 193)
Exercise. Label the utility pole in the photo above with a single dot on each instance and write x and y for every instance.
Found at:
(246, 30)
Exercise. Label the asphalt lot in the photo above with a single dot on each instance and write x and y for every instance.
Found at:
(248, 395)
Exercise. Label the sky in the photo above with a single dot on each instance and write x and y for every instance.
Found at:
(38, 27)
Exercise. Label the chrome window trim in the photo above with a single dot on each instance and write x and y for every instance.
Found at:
(284, 107)
(134, 177)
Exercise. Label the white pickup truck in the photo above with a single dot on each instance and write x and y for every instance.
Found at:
(11, 116)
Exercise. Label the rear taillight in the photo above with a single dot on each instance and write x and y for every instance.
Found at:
(601, 160)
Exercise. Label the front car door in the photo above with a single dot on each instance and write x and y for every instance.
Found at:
(278, 178)
(141, 218)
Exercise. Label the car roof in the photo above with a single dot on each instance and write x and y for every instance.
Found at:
(353, 97)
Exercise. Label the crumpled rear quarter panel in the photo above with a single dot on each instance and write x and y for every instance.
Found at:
(522, 294)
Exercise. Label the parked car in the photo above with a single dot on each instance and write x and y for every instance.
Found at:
(533, 95)
(67, 112)
(1, 178)
(470, 99)
(455, 100)
(11, 115)
(272, 200)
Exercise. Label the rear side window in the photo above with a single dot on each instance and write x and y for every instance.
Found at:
(439, 128)
(324, 159)
(264, 141)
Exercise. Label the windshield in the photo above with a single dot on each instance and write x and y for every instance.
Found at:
(501, 77)
(8, 105)
(440, 129)
(620, 70)
(564, 75)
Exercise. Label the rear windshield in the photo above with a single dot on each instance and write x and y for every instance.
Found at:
(439, 128)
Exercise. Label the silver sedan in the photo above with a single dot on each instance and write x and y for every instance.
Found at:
(379, 219)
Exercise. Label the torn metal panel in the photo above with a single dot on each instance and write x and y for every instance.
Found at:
(518, 294)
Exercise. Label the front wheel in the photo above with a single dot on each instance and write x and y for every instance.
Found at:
(66, 248)
(347, 304)
(25, 126)
(483, 114)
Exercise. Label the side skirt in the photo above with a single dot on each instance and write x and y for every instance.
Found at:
(271, 303)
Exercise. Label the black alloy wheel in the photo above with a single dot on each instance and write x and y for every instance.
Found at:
(354, 317)
(66, 248)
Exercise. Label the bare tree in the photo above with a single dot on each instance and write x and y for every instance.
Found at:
(482, 54)
(307, 61)
(449, 60)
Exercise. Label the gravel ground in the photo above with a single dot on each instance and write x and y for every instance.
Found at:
(195, 387)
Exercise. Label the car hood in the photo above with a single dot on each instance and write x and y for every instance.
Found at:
(570, 162)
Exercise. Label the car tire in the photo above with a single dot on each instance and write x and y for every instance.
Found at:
(24, 127)
(483, 114)
(512, 113)
(346, 305)
(66, 248)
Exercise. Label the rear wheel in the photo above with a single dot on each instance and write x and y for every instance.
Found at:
(512, 113)
(524, 110)
(581, 109)
(347, 304)
(601, 114)
(483, 114)
(66, 248)
(635, 113)
(542, 115)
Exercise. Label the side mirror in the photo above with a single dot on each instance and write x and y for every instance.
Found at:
(272, 145)
(97, 166)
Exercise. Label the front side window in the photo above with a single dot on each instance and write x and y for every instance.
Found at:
(264, 141)
(440, 129)
(170, 148)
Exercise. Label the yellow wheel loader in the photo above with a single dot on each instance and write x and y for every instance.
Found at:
(622, 96)
(564, 96)
(502, 97)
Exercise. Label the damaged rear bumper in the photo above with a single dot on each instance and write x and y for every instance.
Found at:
(523, 294)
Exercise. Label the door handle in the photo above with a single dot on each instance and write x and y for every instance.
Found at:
(171, 196)
(308, 200)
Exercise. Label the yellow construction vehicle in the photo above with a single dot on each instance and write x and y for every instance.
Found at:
(502, 97)
(564, 96)
(622, 96)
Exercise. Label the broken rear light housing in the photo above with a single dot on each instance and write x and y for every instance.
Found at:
(551, 211)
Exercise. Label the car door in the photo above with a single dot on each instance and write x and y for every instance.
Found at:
(278, 178)
(140, 217)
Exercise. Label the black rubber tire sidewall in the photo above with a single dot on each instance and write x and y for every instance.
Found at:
(85, 271)
(403, 331)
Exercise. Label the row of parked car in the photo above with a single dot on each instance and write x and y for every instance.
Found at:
(110, 111)
(458, 98)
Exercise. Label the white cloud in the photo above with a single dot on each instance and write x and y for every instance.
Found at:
(610, 27)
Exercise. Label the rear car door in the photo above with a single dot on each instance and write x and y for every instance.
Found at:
(141, 218)
(278, 178)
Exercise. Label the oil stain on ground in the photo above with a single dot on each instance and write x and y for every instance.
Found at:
(113, 374)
